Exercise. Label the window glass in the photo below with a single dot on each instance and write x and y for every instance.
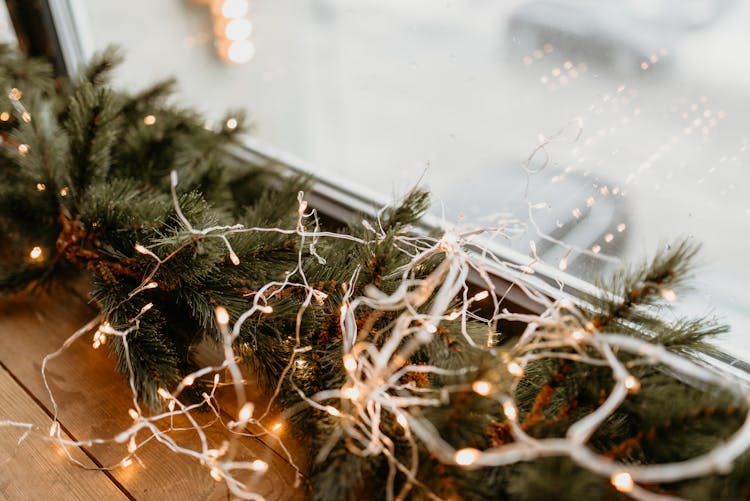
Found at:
(611, 126)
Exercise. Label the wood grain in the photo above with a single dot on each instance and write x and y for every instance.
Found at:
(94, 402)
(36, 468)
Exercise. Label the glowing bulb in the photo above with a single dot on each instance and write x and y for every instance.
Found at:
(164, 393)
(237, 29)
(333, 411)
(133, 414)
(146, 307)
(234, 8)
(222, 316)
(53, 429)
(64, 192)
(233, 257)
(26, 116)
(302, 207)
(401, 419)
(149, 120)
(669, 295)
(578, 335)
(188, 380)
(350, 363)
(15, 94)
(454, 315)
(141, 249)
(632, 384)
(216, 474)
(515, 369)
(4, 116)
(466, 457)
(151, 285)
(510, 410)
(259, 465)
(430, 328)
(266, 309)
(351, 393)
(482, 387)
(127, 462)
(246, 412)
(276, 427)
(132, 445)
(622, 481)
(171, 406)
(240, 51)
(23, 149)
(36, 253)
(232, 123)
(481, 295)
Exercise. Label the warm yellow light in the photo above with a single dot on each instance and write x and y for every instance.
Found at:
(133, 414)
(41, 186)
(266, 309)
(430, 328)
(481, 295)
(350, 363)
(240, 51)
(510, 410)
(164, 393)
(578, 335)
(515, 369)
(632, 384)
(238, 29)
(276, 427)
(234, 258)
(466, 457)
(188, 380)
(26, 116)
(54, 428)
(15, 94)
(127, 462)
(234, 8)
(141, 249)
(246, 412)
(171, 406)
(454, 315)
(622, 481)
(64, 191)
(232, 123)
(132, 445)
(482, 387)
(259, 466)
(669, 295)
(149, 120)
(216, 474)
(351, 393)
(4, 116)
(222, 316)
(36, 253)
(23, 149)
(401, 419)
(333, 411)
(151, 285)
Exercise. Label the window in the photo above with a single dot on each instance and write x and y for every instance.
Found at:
(636, 112)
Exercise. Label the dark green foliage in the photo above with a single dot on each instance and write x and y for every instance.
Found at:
(93, 181)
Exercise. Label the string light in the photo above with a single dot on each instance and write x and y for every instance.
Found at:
(23, 149)
(133, 414)
(481, 387)
(15, 94)
(149, 120)
(4, 116)
(232, 123)
(276, 427)
(479, 296)
(509, 409)
(632, 384)
(188, 380)
(246, 412)
(222, 316)
(515, 369)
(350, 363)
(622, 481)
(36, 253)
(41, 186)
(466, 457)
(259, 466)
(669, 295)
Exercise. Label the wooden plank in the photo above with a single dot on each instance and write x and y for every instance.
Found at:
(36, 468)
(94, 402)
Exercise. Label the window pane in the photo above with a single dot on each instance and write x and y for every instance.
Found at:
(636, 111)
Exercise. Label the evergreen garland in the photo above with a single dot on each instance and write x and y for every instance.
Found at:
(85, 184)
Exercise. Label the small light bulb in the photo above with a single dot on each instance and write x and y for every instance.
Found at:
(222, 316)
(246, 412)
(401, 419)
(454, 315)
(563, 264)
(53, 429)
(164, 393)
(141, 249)
(276, 427)
(302, 207)
(127, 462)
(266, 309)
(632, 384)
(41, 186)
(15, 94)
(350, 363)
(482, 387)
(240, 51)
(578, 335)
(4, 116)
(232, 123)
(151, 285)
(515, 369)
(146, 307)
(622, 481)
(669, 295)
(430, 328)
(234, 258)
(259, 465)
(333, 411)
(133, 414)
(23, 149)
(466, 457)
(64, 191)
(351, 393)
(510, 410)
(171, 406)
(216, 474)
(188, 380)
(149, 120)
(36, 253)
(132, 445)
(234, 8)
(26, 116)
(481, 295)
(238, 29)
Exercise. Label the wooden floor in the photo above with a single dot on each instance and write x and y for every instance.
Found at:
(93, 403)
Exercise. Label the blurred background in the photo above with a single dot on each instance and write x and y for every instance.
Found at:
(610, 126)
